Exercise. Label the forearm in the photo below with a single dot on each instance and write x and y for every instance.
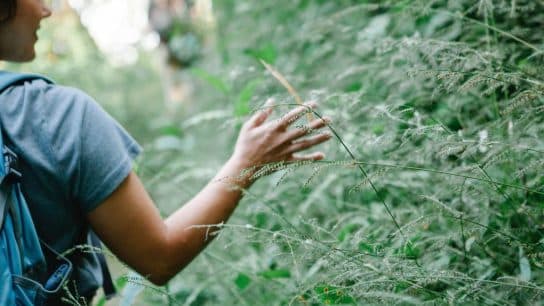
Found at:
(131, 226)
(190, 228)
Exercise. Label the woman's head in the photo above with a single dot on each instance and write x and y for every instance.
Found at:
(19, 22)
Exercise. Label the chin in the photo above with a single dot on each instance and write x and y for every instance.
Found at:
(25, 57)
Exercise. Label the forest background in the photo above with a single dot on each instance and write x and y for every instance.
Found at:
(432, 189)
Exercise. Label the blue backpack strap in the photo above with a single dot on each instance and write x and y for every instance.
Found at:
(10, 160)
(8, 79)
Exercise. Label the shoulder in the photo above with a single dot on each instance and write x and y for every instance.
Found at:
(38, 98)
(48, 121)
(41, 88)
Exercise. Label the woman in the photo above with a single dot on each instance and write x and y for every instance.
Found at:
(79, 160)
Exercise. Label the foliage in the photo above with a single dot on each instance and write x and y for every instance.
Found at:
(440, 103)
(431, 192)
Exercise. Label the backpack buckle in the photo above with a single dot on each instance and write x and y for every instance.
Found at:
(11, 164)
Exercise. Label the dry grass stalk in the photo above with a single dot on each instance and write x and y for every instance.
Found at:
(287, 86)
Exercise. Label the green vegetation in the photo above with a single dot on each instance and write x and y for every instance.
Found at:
(431, 193)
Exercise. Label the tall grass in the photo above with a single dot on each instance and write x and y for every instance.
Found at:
(438, 197)
(432, 189)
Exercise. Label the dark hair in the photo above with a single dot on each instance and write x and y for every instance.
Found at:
(7, 9)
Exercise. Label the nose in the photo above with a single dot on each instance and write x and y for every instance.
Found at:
(46, 11)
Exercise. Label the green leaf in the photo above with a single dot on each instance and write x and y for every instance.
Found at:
(411, 251)
(280, 273)
(101, 301)
(213, 80)
(121, 282)
(378, 128)
(370, 248)
(401, 286)
(242, 281)
(268, 53)
(346, 230)
(355, 86)
(365, 247)
(172, 130)
(241, 107)
(333, 295)
(261, 219)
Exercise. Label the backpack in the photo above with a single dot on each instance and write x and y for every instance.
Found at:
(24, 279)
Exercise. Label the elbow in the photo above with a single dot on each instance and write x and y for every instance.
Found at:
(166, 264)
(160, 273)
(159, 280)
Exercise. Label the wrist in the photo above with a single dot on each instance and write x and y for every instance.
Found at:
(239, 171)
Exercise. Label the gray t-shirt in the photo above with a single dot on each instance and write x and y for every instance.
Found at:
(73, 155)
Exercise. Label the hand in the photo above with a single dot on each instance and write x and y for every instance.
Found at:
(261, 141)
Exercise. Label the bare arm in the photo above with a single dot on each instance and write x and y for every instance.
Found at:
(129, 223)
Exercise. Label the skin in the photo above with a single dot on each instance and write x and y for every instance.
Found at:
(18, 34)
(128, 221)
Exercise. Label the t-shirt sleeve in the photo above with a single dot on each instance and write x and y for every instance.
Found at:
(91, 148)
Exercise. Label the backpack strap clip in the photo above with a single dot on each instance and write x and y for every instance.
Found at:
(11, 164)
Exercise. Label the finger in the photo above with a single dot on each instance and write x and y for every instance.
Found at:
(262, 114)
(305, 130)
(307, 143)
(303, 157)
(293, 115)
